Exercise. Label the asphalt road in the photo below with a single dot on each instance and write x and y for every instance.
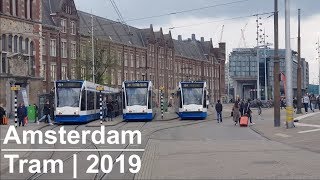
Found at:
(187, 150)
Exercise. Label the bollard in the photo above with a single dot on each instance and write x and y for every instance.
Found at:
(161, 99)
(15, 109)
(100, 108)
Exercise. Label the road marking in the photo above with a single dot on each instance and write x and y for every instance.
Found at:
(312, 130)
(282, 135)
(307, 125)
(72, 150)
(306, 115)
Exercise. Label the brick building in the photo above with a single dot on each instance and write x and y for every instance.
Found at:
(20, 32)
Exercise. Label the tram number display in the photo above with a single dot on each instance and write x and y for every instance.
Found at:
(69, 85)
(137, 85)
(192, 85)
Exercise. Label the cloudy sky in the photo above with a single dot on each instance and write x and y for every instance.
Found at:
(205, 18)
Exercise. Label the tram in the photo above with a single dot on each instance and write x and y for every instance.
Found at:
(138, 101)
(191, 100)
(78, 101)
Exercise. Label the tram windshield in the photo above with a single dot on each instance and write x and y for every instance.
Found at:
(192, 96)
(68, 97)
(136, 96)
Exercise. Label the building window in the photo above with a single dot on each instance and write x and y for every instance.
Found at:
(73, 50)
(119, 58)
(64, 25)
(10, 43)
(53, 71)
(20, 44)
(4, 42)
(82, 51)
(44, 46)
(15, 44)
(73, 73)
(112, 77)
(131, 60)
(26, 46)
(143, 62)
(30, 9)
(63, 48)
(73, 28)
(53, 47)
(119, 78)
(125, 59)
(1, 5)
(44, 71)
(83, 71)
(4, 63)
(132, 76)
(64, 72)
(137, 61)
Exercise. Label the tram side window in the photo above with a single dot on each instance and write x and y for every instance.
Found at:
(150, 100)
(123, 100)
(205, 99)
(98, 100)
(90, 100)
(83, 101)
(179, 99)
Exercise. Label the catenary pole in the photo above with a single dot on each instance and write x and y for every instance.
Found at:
(92, 43)
(258, 61)
(299, 85)
(289, 90)
(265, 67)
(276, 111)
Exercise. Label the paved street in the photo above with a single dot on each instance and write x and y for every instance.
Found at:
(204, 149)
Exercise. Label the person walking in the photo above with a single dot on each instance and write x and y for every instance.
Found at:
(295, 103)
(104, 109)
(313, 102)
(2, 114)
(248, 111)
(283, 103)
(36, 112)
(259, 105)
(219, 111)
(242, 107)
(236, 113)
(46, 112)
(318, 101)
(110, 111)
(22, 114)
(306, 102)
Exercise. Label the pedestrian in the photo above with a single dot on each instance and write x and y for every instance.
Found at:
(46, 113)
(236, 113)
(219, 111)
(318, 101)
(313, 102)
(295, 103)
(306, 102)
(36, 112)
(110, 110)
(283, 103)
(259, 104)
(242, 107)
(22, 114)
(104, 108)
(2, 114)
(248, 111)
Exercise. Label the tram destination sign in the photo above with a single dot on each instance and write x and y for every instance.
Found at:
(69, 84)
(136, 85)
(192, 85)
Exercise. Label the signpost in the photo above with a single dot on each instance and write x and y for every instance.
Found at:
(15, 88)
(161, 100)
(100, 88)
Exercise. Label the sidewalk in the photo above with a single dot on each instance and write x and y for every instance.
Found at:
(3, 131)
(305, 134)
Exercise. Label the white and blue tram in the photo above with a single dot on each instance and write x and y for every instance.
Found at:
(78, 101)
(191, 100)
(138, 101)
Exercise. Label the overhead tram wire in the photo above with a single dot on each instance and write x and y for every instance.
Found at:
(168, 14)
(228, 19)
(190, 25)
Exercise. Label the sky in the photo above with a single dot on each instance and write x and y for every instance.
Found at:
(205, 18)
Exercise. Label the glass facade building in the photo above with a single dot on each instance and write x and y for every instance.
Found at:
(243, 71)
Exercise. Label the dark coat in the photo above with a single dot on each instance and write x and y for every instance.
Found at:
(219, 107)
(2, 112)
(247, 109)
(109, 107)
(46, 109)
(22, 112)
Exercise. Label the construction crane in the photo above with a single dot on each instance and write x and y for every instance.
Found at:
(115, 7)
(243, 39)
(221, 34)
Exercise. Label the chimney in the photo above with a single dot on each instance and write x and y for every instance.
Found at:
(202, 39)
(179, 37)
(193, 37)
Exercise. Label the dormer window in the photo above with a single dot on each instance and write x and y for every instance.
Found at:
(68, 10)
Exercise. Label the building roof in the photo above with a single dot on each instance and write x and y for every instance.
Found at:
(190, 49)
(48, 7)
(110, 30)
